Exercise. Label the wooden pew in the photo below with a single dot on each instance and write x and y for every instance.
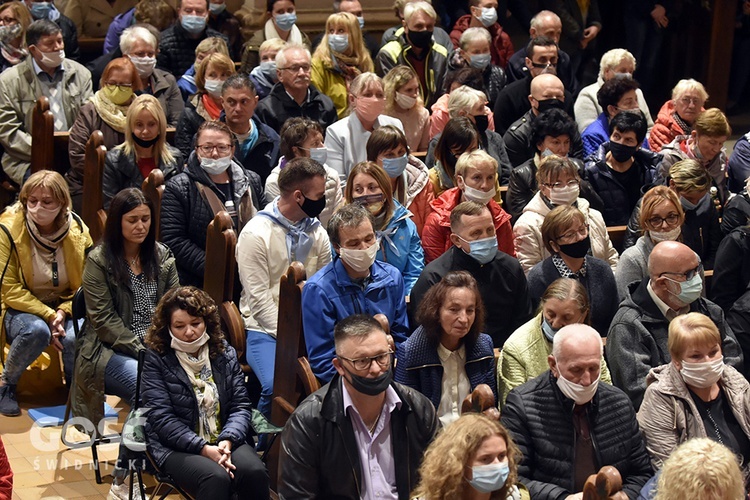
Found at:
(42, 132)
(617, 236)
(93, 198)
(153, 189)
(504, 195)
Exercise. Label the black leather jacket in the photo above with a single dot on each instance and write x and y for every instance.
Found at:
(319, 457)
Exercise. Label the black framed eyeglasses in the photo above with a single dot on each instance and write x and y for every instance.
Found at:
(688, 275)
(361, 364)
(670, 219)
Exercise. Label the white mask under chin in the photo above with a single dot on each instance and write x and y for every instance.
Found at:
(579, 393)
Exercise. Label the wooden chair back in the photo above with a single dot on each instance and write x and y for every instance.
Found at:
(604, 485)
(153, 189)
(617, 236)
(42, 137)
(93, 197)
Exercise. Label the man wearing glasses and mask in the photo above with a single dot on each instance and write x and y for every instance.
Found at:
(637, 339)
(362, 435)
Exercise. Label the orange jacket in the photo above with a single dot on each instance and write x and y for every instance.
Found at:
(665, 128)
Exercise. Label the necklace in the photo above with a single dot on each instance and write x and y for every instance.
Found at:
(374, 424)
(134, 262)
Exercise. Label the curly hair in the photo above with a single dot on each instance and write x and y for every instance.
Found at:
(443, 468)
(428, 314)
(196, 303)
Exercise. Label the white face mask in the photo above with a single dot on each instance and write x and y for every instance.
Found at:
(213, 87)
(577, 392)
(359, 260)
(217, 166)
(53, 59)
(188, 347)
(405, 101)
(704, 374)
(42, 216)
(477, 195)
(671, 235)
(144, 65)
(565, 195)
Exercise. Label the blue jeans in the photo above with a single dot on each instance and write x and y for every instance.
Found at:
(28, 336)
(261, 356)
(120, 377)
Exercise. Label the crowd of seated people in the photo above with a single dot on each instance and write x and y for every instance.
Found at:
(587, 265)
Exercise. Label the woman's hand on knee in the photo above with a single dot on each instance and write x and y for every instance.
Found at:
(226, 459)
(57, 329)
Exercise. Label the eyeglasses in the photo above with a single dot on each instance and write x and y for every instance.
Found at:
(361, 364)
(543, 65)
(295, 69)
(221, 148)
(570, 235)
(121, 86)
(560, 185)
(687, 275)
(691, 100)
(8, 20)
(670, 219)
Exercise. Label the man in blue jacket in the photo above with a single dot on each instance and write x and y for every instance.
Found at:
(354, 283)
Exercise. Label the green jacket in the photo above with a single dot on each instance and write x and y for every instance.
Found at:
(109, 312)
(524, 356)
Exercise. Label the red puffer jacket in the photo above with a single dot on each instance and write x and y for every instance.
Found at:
(501, 47)
(665, 128)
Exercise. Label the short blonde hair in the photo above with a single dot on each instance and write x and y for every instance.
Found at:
(701, 468)
(690, 176)
(687, 85)
(48, 179)
(220, 61)
(363, 82)
(413, 7)
(712, 123)
(212, 44)
(691, 329)
(612, 58)
(472, 35)
(464, 98)
(272, 44)
(474, 159)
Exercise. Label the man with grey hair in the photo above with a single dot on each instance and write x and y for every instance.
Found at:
(362, 435)
(353, 283)
(294, 95)
(637, 338)
(567, 425)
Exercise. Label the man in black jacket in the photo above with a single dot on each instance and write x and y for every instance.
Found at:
(567, 425)
(361, 435)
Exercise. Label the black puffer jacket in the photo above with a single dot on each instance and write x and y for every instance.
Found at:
(492, 143)
(736, 212)
(173, 412)
(121, 171)
(177, 49)
(540, 420)
(319, 455)
(187, 126)
(185, 216)
(731, 269)
(518, 141)
(277, 107)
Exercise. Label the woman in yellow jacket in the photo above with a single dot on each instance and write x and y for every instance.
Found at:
(339, 59)
(42, 250)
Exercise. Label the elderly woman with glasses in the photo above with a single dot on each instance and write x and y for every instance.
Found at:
(677, 115)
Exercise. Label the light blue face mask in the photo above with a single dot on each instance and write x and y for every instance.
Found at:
(40, 10)
(488, 16)
(483, 250)
(490, 477)
(480, 61)
(216, 8)
(268, 68)
(361, 22)
(394, 167)
(338, 43)
(690, 290)
(547, 329)
(285, 22)
(193, 24)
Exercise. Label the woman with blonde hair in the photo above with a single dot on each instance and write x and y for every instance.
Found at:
(15, 18)
(205, 104)
(210, 45)
(473, 458)
(695, 395)
(145, 148)
(339, 59)
(264, 75)
(402, 101)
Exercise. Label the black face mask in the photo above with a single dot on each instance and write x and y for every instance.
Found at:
(313, 208)
(371, 386)
(577, 250)
(420, 39)
(620, 152)
(548, 104)
(482, 122)
(145, 143)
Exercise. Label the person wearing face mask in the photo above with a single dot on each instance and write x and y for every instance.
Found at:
(696, 395)
(285, 231)
(105, 112)
(459, 136)
(567, 425)
(264, 75)
(353, 283)
(346, 140)
(484, 15)
(476, 180)
(200, 420)
(361, 421)
(524, 355)
(339, 59)
(281, 23)
(546, 93)
(566, 238)
(205, 104)
(620, 168)
(637, 338)
(473, 459)
(145, 148)
(473, 51)
(15, 18)
(399, 244)
(46, 72)
(303, 138)
(402, 101)
(448, 356)
(416, 48)
(559, 184)
(42, 9)
(662, 218)
(42, 249)
(92, 18)
(677, 116)
(212, 182)
(221, 19)
(408, 176)
(499, 276)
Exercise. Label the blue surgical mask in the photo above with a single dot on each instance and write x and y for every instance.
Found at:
(394, 167)
(490, 477)
(216, 8)
(319, 154)
(268, 68)
(690, 290)
(285, 22)
(338, 43)
(488, 17)
(483, 250)
(547, 329)
(480, 61)
(361, 22)
(40, 10)
(193, 24)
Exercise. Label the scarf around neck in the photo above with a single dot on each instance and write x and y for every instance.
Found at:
(112, 114)
(298, 240)
(198, 370)
(295, 35)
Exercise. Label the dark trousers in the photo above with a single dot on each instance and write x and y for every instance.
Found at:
(203, 478)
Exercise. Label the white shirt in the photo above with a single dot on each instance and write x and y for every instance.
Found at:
(455, 386)
(667, 311)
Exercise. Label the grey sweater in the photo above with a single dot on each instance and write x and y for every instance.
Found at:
(633, 265)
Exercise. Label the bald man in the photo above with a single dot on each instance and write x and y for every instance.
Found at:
(637, 339)
(594, 424)
(545, 92)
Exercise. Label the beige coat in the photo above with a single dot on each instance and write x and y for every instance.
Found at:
(669, 417)
(93, 17)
